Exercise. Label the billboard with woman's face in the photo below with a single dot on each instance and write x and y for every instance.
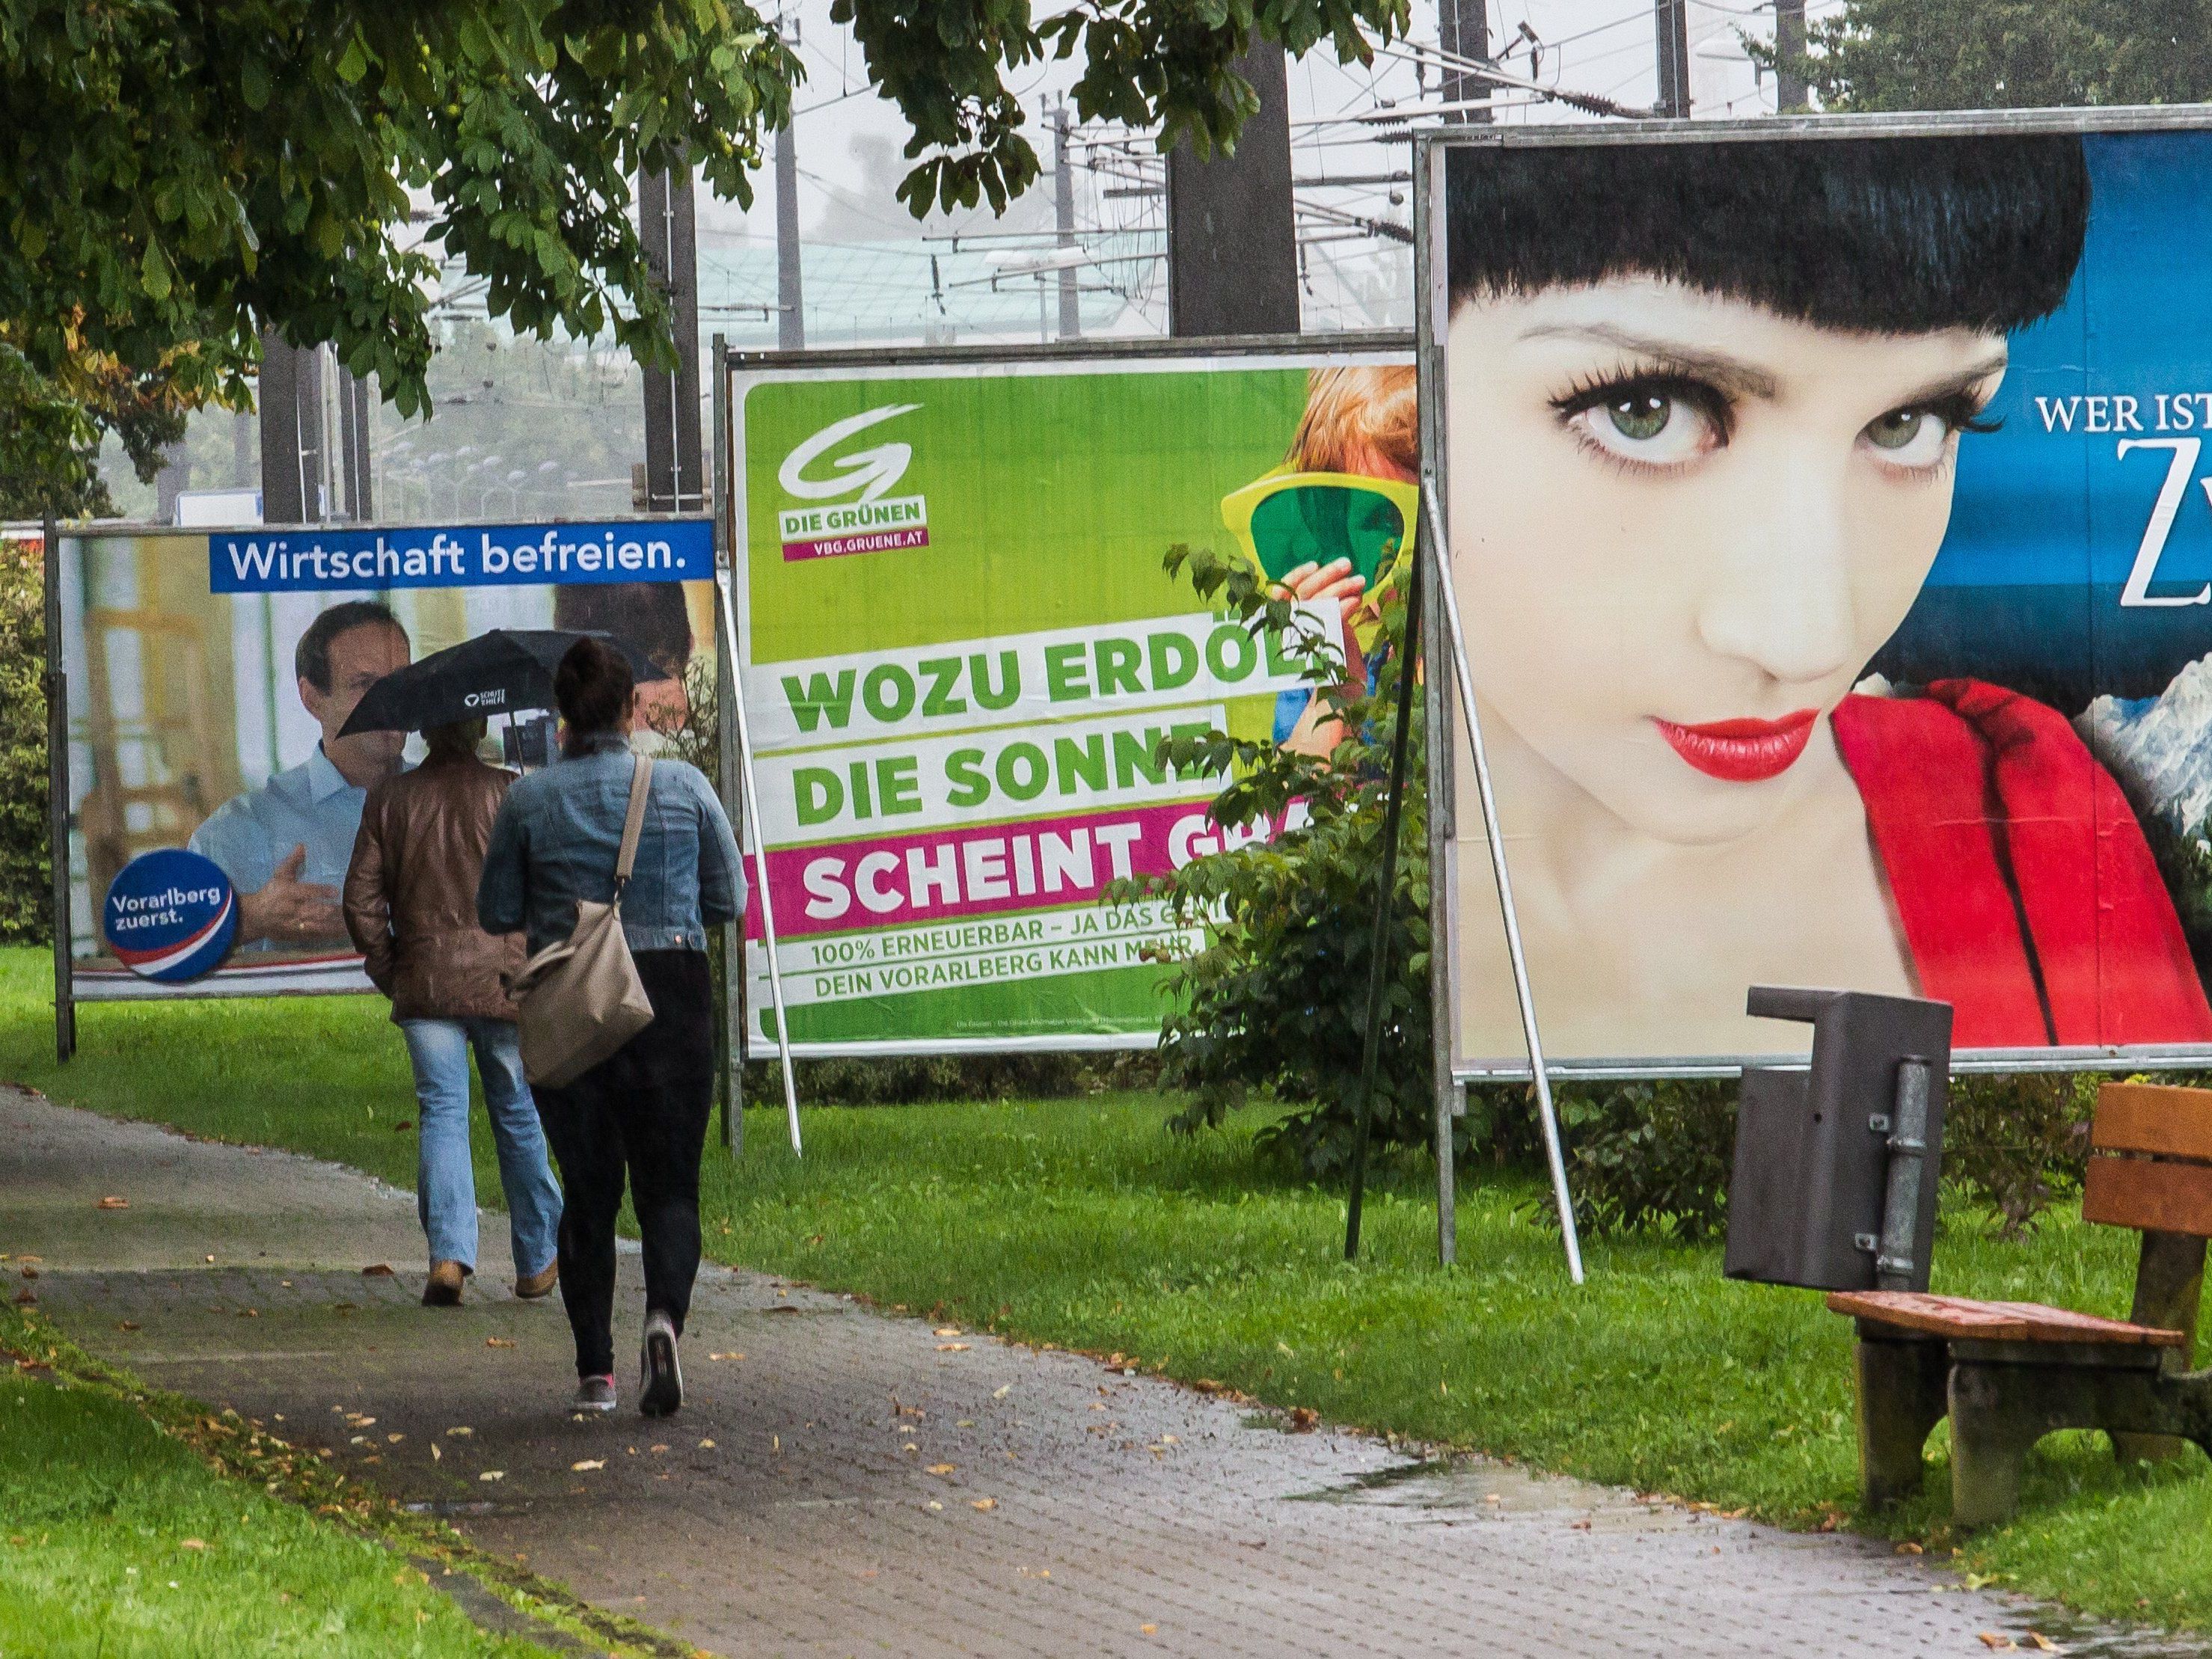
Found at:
(1830, 523)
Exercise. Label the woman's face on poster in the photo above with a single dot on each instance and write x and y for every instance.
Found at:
(1684, 524)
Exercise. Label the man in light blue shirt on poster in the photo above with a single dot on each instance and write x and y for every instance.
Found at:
(285, 846)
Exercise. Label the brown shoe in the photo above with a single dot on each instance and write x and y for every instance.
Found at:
(538, 1286)
(443, 1290)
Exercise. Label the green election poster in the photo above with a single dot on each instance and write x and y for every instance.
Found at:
(960, 654)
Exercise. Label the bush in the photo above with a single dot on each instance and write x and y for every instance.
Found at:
(2018, 1143)
(1275, 1002)
(1648, 1157)
(25, 917)
(1657, 1155)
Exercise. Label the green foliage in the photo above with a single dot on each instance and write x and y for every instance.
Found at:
(1275, 1001)
(1648, 1157)
(23, 866)
(2008, 54)
(1657, 1157)
(178, 178)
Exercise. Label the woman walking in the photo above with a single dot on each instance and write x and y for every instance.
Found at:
(409, 906)
(644, 1110)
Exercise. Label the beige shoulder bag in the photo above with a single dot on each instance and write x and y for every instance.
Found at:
(581, 999)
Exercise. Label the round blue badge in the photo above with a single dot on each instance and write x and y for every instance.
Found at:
(170, 915)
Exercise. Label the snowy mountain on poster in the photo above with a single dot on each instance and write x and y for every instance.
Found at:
(2160, 748)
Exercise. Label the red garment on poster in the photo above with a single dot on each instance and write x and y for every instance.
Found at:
(2028, 897)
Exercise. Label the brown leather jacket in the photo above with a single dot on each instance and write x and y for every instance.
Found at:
(411, 892)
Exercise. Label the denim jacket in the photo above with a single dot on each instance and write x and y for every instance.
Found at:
(559, 830)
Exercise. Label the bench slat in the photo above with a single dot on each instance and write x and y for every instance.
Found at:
(2151, 1197)
(1993, 1321)
(2154, 1118)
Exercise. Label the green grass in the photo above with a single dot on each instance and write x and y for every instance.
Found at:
(117, 1539)
(1083, 1224)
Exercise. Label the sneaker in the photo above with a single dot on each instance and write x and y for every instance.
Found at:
(538, 1286)
(660, 1377)
(443, 1290)
(595, 1394)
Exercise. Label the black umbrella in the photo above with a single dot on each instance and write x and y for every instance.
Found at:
(507, 669)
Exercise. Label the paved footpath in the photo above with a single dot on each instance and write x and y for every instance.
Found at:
(845, 1483)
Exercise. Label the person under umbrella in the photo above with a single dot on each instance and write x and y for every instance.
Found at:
(410, 903)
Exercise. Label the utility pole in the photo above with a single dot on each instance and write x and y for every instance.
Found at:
(292, 440)
(790, 289)
(1464, 31)
(1232, 228)
(1789, 55)
(674, 480)
(354, 447)
(1063, 216)
(1672, 21)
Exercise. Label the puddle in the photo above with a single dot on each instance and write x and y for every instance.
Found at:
(2085, 1640)
(454, 1506)
(1459, 1491)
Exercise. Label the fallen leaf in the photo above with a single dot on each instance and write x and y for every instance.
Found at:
(952, 1347)
(436, 1454)
(27, 1297)
(658, 1448)
(249, 1313)
(947, 1330)
(2043, 1643)
(1147, 1629)
(725, 1356)
(493, 1474)
(584, 1463)
(393, 1439)
(1302, 1418)
(405, 1123)
(934, 1504)
(192, 1543)
(1908, 1547)
(112, 1202)
(941, 1468)
(1001, 1391)
(30, 1273)
(375, 1270)
(460, 1430)
(1995, 1639)
(499, 1342)
(983, 1503)
(126, 1324)
(705, 1445)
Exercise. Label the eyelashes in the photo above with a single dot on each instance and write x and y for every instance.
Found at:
(1662, 420)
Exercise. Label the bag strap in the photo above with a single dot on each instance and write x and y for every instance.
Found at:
(626, 859)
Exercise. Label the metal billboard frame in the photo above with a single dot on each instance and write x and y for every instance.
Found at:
(1431, 306)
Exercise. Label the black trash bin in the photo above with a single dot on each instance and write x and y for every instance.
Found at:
(1834, 1186)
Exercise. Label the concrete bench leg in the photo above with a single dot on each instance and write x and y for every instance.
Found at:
(1995, 1423)
(1902, 1395)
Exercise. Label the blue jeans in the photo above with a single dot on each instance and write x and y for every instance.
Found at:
(446, 1182)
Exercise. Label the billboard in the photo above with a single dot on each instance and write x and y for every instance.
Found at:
(961, 654)
(213, 798)
(1828, 513)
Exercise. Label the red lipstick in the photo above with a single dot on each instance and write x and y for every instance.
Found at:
(1742, 751)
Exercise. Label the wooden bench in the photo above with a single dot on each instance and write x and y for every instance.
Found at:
(2007, 1373)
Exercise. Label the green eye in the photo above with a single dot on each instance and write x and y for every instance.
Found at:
(1641, 416)
(1896, 430)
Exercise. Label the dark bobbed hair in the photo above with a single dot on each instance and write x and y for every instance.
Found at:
(1875, 236)
(311, 657)
(592, 687)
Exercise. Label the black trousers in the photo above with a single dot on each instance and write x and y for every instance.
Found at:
(642, 1111)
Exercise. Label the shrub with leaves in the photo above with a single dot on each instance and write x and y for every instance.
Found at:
(23, 878)
(1648, 1157)
(2018, 1143)
(1275, 1003)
